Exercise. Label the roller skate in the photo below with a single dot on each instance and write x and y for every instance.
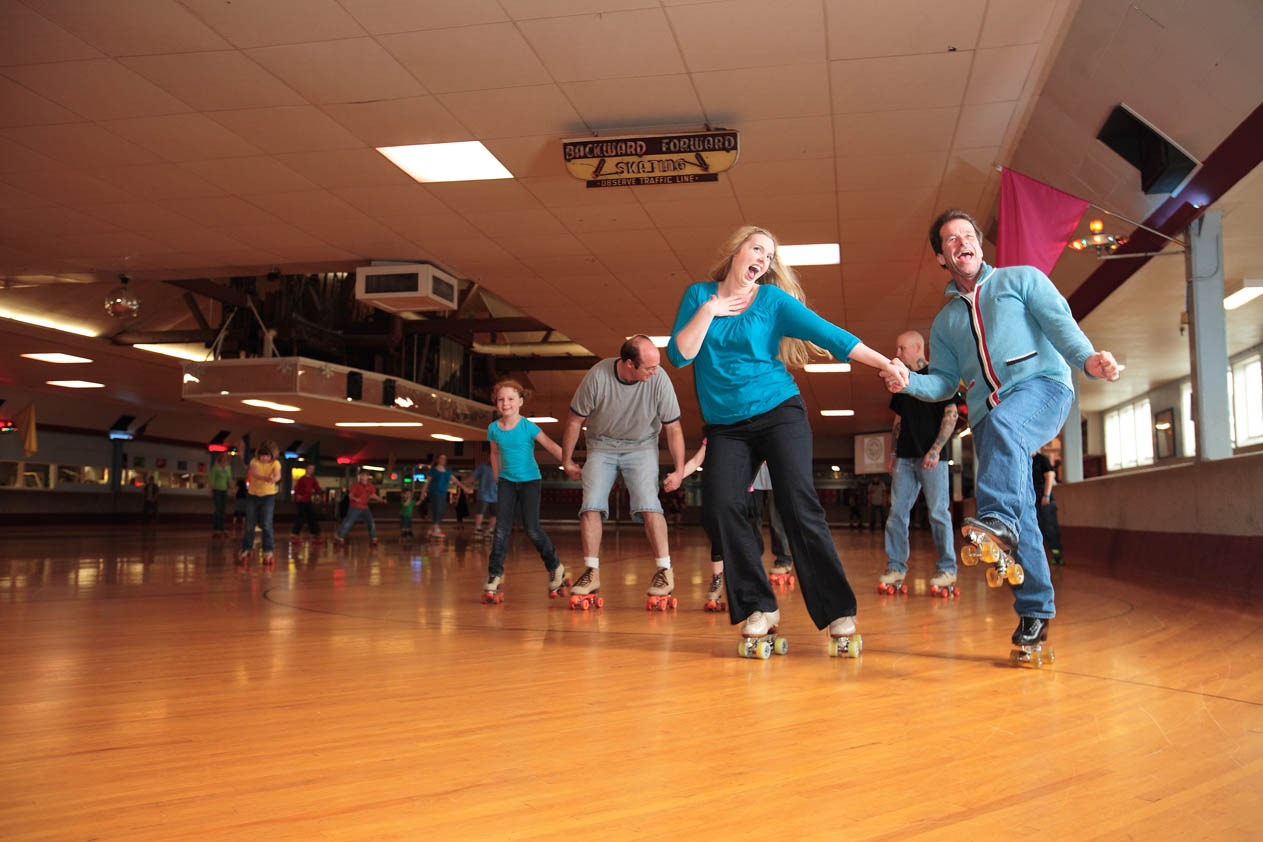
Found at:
(891, 582)
(1029, 637)
(372, 542)
(243, 557)
(557, 582)
(268, 558)
(436, 535)
(296, 540)
(759, 638)
(491, 593)
(944, 584)
(586, 591)
(317, 541)
(715, 596)
(339, 542)
(844, 640)
(660, 587)
(991, 541)
(782, 573)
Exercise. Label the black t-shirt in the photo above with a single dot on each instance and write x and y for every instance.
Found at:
(1040, 465)
(919, 423)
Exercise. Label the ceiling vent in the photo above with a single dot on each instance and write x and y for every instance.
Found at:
(404, 287)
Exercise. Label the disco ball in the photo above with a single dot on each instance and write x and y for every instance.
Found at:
(121, 302)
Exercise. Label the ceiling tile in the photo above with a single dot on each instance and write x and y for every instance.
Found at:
(516, 223)
(54, 220)
(766, 209)
(970, 167)
(862, 29)
(277, 236)
(468, 58)
(719, 209)
(532, 245)
(276, 21)
(99, 89)
(737, 34)
(527, 9)
(497, 194)
(390, 201)
(612, 104)
(346, 168)
(861, 205)
(148, 26)
(399, 122)
(215, 81)
(30, 38)
(141, 217)
(732, 97)
(588, 218)
(645, 245)
(570, 192)
(289, 129)
(353, 70)
(886, 172)
(779, 177)
(384, 16)
(894, 132)
(182, 137)
(12, 197)
(1000, 73)
(431, 228)
(20, 107)
(532, 157)
(83, 145)
(1016, 22)
(899, 83)
(786, 139)
(608, 45)
(158, 181)
(302, 206)
(66, 186)
(14, 156)
(983, 125)
(220, 211)
(512, 112)
(248, 176)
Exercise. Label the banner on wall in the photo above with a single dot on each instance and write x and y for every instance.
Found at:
(634, 160)
(872, 451)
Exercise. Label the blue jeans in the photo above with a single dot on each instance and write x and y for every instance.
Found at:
(909, 480)
(405, 523)
(640, 475)
(520, 500)
(352, 515)
(438, 508)
(1026, 418)
(221, 503)
(259, 510)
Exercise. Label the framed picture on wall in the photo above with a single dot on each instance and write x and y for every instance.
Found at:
(1164, 434)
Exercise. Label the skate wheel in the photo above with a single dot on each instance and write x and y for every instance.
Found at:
(1016, 574)
(649, 606)
(790, 579)
(764, 650)
(673, 602)
(781, 646)
(994, 579)
(990, 551)
(600, 602)
(744, 648)
(969, 555)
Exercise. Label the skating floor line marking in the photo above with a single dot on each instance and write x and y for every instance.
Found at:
(981, 659)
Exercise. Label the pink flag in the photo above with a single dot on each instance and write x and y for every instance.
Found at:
(1036, 222)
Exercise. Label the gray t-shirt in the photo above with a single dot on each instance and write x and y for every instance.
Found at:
(623, 416)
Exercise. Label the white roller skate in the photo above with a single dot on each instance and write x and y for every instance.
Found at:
(557, 582)
(491, 593)
(759, 638)
(586, 591)
(715, 596)
(891, 582)
(844, 640)
(660, 588)
(782, 574)
(944, 584)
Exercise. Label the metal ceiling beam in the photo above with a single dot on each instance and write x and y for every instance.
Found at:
(545, 363)
(157, 337)
(210, 289)
(459, 327)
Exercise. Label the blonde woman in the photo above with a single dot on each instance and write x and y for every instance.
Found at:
(744, 329)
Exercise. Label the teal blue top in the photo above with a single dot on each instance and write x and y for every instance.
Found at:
(517, 450)
(738, 375)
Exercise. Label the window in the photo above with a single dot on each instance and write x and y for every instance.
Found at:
(1129, 436)
(1187, 432)
(1245, 396)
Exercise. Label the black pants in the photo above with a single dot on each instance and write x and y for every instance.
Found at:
(520, 500)
(782, 438)
(761, 502)
(307, 515)
(1048, 526)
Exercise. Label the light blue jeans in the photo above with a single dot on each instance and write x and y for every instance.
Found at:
(352, 515)
(909, 480)
(640, 474)
(1026, 418)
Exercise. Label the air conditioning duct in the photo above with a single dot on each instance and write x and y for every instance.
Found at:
(405, 287)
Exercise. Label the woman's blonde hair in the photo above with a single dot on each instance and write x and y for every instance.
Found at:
(795, 353)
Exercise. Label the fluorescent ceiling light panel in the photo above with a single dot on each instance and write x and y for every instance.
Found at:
(660, 341)
(279, 407)
(38, 322)
(76, 384)
(1251, 289)
(812, 254)
(279, 420)
(837, 413)
(431, 162)
(445, 437)
(371, 468)
(378, 424)
(182, 352)
(542, 419)
(821, 368)
(57, 358)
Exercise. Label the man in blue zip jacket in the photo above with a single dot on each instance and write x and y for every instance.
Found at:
(1009, 335)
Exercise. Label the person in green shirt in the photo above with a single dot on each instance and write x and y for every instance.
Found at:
(220, 479)
(407, 504)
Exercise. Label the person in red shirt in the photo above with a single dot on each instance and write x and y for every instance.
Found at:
(359, 496)
(305, 492)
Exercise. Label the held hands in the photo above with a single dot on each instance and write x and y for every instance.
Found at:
(672, 482)
(572, 470)
(1103, 364)
(895, 375)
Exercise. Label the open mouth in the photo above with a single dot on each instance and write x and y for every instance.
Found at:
(753, 271)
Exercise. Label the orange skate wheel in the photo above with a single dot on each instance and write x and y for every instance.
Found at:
(673, 602)
(994, 579)
(969, 555)
(600, 602)
(1016, 574)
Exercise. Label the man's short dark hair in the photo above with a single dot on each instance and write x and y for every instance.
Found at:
(631, 349)
(936, 240)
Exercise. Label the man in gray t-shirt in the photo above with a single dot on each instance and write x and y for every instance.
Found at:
(625, 403)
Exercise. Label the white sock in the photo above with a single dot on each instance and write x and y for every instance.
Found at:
(665, 561)
(588, 561)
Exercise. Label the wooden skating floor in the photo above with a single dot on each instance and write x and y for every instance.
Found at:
(153, 690)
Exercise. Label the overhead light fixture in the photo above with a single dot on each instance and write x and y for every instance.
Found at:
(279, 420)
(121, 302)
(433, 162)
(371, 468)
(405, 402)
(542, 419)
(1099, 240)
(835, 468)
(189, 378)
(837, 413)
(121, 435)
(811, 254)
(262, 404)
(966, 432)
(75, 384)
(660, 341)
(823, 368)
(51, 325)
(177, 351)
(57, 358)
(378, 424)
(445, 437)
(1250, 289)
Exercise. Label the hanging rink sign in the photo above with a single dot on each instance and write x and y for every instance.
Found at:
(651, 159)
